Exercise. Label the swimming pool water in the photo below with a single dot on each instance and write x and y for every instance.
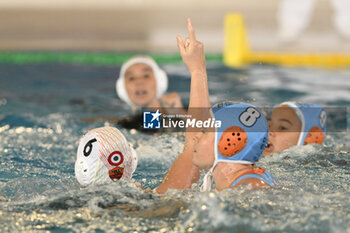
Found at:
(40, 110)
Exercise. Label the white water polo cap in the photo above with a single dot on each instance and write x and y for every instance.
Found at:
(159, 74)
(313, 119)
(104, 156)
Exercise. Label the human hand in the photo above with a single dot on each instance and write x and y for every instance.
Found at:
(192, 51)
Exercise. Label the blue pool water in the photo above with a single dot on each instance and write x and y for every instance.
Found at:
(40, 110)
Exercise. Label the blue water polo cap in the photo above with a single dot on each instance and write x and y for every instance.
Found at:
(241, 138)
(313, 119)
(243, 134)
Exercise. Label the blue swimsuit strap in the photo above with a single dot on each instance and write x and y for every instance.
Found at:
(266, 177)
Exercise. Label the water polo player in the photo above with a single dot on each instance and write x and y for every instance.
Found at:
(292, 124)
(104, 156)
(234, 148)
(229, 165)
(142, 83)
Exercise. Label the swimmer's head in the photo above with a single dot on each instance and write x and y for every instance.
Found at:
(104, 156)
(141, 81)
(241, 138)
(292, 124)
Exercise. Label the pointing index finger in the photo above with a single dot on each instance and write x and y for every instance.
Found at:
(190, 29)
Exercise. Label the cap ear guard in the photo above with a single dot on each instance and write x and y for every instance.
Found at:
(121, 91)
(116, 173)
(232, 141)
(162, 82)
(315, 135)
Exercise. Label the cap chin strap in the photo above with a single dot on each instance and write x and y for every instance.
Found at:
(208, 178)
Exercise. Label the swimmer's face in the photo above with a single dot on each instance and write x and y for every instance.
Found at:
(284, 128)
(140, 84)
(203, 154)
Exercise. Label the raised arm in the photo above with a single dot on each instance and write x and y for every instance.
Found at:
(183, 173)
(192, 53)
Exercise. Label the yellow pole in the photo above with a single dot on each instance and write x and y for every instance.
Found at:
(237, 51)
(236, 47)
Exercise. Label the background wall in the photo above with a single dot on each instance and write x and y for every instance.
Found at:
(151, 25)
